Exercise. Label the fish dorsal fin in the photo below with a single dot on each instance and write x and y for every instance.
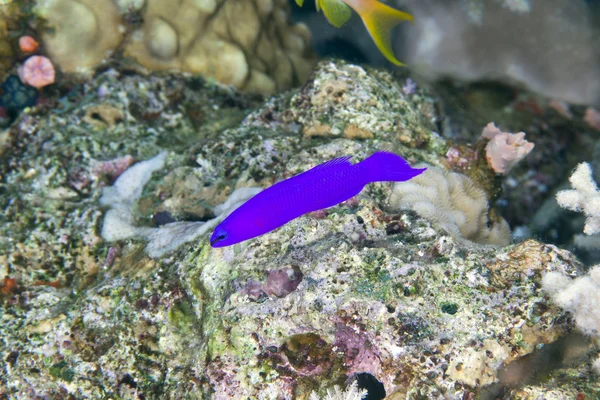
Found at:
(336, 11)
(325, 169)
(345, 161)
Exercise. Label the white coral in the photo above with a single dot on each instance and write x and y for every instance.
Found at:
(584, 198)
(352, 392)
(121, 198)
(580, 296)
(453, 201)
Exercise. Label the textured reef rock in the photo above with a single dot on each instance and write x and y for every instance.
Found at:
(249, 44)
(360, 288)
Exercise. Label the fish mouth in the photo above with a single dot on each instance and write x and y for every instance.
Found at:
(212, 242)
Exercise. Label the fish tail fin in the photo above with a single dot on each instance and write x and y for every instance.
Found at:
(385, 166)
(380, 19)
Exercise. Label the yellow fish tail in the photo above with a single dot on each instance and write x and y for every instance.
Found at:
(380, 19)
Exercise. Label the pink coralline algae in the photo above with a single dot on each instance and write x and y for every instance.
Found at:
(458, 159)
(282, 282)
(37, 71)
(360, 355)
(113, 168)
(504, 149)
(28, 44)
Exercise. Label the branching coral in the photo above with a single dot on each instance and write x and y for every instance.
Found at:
(583, 198)
(579, 296)
(351, 393)
(455, 202)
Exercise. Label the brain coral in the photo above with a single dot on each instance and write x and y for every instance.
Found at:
(250, 44)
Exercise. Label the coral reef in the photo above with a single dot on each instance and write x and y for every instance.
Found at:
(249, 44)
(362, 288)
(119, 220)
(551, 48)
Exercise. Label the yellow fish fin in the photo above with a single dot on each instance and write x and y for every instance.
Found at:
(318, 5)
(380, 20)
(300, 2)
(336, 11)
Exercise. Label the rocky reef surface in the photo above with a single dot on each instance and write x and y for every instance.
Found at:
(365, 289)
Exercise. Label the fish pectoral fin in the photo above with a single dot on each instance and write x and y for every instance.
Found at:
(300, 2)
(336, 11)
(380, 19)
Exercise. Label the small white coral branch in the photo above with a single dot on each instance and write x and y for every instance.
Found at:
(579, 296)
(504, 149)
(584, 198)
(352, 392)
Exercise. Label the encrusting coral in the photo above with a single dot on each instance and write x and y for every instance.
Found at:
(455, 202)
(249, 44)
(80, 34)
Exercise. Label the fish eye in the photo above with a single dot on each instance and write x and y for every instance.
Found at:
(218, 236)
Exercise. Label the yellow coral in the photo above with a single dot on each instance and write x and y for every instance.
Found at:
(246, 43)
(82, 33)
(250, 44)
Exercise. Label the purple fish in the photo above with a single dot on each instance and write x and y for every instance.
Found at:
(323, 186)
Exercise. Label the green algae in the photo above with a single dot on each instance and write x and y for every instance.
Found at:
(449, 308)
(308, 351)
(61, 370)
